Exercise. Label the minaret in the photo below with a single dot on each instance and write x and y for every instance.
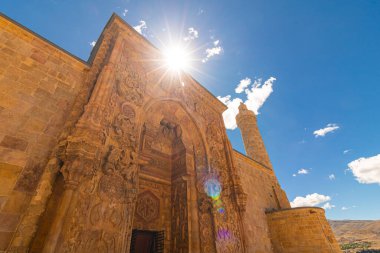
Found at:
(253, 143)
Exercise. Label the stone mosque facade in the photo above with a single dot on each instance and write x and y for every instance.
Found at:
(115, 155)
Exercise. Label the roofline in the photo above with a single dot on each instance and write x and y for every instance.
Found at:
(110, 21)
(43, 38)
(209, 92)
(94, 51)
(295, 209)
(244, 155)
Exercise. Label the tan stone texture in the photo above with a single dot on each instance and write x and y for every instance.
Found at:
(253, 143)
(301, 230)
(91, 152)
(264, 193)
(32, 112)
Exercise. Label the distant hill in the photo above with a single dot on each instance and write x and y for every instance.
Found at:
(357, 234)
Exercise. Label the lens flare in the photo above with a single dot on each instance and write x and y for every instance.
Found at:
(212, 188)
(177, 58)
(224, 234)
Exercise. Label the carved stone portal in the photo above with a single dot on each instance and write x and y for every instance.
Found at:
(138, 162)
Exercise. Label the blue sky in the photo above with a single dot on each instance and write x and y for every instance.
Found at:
(324, 55)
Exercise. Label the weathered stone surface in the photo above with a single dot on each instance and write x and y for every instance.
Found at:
(29, 70)
(301, 230)
(17, 202)
(8, 221)
(29, 177)
(14, 143)
(257, 181)
(91, 152)
(5, 238)
(8, 176)
(253, 143)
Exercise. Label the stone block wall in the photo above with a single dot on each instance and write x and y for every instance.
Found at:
(303, 229)
(263, 194)
(38, 85)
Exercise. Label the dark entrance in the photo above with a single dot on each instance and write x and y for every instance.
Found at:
(144, 241)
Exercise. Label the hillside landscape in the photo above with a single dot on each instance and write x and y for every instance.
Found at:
(357, 234)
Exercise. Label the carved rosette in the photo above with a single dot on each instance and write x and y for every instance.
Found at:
(148, 206)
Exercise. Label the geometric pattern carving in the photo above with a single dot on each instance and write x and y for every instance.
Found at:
(148, 206)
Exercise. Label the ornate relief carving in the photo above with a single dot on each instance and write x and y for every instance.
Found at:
(112, 187)
(180, 237)
(124, 122)
(227, 228)
(102, 155)
(148, 206)
(101, 218)
(130, 86)
(206, 224)
(77, 169)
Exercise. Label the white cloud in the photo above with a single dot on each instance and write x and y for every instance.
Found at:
(140, 27)
(210, 52)
(344, 208)
(231, 112)
(192, 34)
(213, 51)
(346, 151)
(328, 206)
(93, 43)
(258, 94)
(366, 170)
(332, 177)
(125, 12)
(310, 200)
(256, 97)
(244, 83)
(323, 131)
(303, 171)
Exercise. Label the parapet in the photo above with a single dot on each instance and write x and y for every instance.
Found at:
(303, 229)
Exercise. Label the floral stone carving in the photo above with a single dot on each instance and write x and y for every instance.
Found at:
(147, 206)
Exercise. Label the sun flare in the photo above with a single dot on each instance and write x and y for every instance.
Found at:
(177, 58)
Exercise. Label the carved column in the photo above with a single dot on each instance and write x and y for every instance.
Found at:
(227, 226)
(81, 155)
(253, 142)
(239, 195)
(74, 172)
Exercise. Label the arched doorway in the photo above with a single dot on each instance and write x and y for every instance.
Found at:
(167, 199)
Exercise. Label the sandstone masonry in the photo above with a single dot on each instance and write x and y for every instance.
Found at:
(114, 155)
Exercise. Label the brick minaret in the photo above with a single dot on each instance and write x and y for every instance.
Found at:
(253, 143)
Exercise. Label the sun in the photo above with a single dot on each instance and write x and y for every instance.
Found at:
(177, 58)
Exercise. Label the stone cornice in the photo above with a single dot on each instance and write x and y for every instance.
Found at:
(252, 162)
